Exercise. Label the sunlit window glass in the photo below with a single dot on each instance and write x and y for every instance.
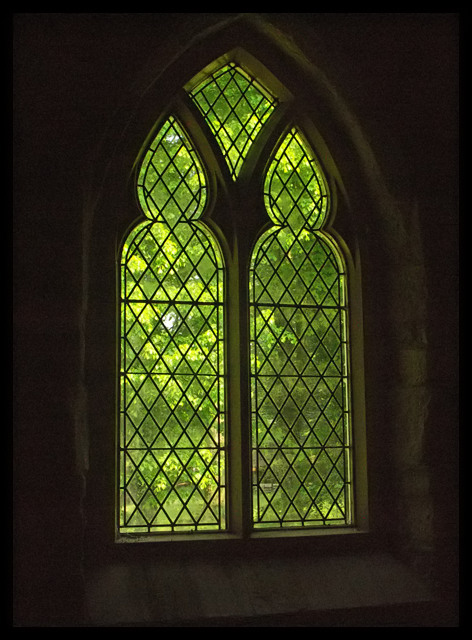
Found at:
(301, 456)
(172, 419)
(236, 107)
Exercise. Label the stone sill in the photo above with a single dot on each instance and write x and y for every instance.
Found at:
(242, 591)
(221, 538)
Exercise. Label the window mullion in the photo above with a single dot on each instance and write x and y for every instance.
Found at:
(238, 398)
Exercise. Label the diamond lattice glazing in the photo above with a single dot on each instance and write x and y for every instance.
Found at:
(235, 106)
(299, 366)
(172, 431)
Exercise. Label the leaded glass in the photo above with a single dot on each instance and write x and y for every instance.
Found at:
(299, 358)
(172, 408)
(236, 107)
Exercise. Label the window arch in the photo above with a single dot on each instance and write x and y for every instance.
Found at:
(300, 353)
(298, 450)
(172, 451)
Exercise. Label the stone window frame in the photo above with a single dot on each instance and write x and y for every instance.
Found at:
(366, 202)
(240, 195)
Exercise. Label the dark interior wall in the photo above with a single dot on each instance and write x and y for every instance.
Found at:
(398, 73)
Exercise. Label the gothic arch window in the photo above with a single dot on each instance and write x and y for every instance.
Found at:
(172, 462)
(235, 374)
(300, 353)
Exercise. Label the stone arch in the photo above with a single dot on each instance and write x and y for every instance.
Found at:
(386, 247)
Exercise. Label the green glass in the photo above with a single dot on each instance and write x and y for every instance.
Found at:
(235, 107)
(172, 415)
(299, 364)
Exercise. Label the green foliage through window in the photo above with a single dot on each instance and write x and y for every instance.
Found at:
(299, 365)
(172, 433)
(235, 107)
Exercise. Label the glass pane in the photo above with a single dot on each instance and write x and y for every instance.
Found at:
(172, 437)
(296, 192)
(235, 107)
(171, 182)
(299, 357)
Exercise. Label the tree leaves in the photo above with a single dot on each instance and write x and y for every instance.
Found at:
(235, 107)
(298, 350)
(172, 362)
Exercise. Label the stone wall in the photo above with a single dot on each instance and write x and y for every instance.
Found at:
(78, 80)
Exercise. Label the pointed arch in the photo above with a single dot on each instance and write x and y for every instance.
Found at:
(300, 374)
(155, 92)
(172, 392)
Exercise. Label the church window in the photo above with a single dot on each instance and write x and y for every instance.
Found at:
(177, 427)
(172, 432)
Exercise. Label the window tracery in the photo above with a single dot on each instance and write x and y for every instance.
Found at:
(174, 421)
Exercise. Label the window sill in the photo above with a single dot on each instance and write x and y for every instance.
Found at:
(282, 537)
(241, 589)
